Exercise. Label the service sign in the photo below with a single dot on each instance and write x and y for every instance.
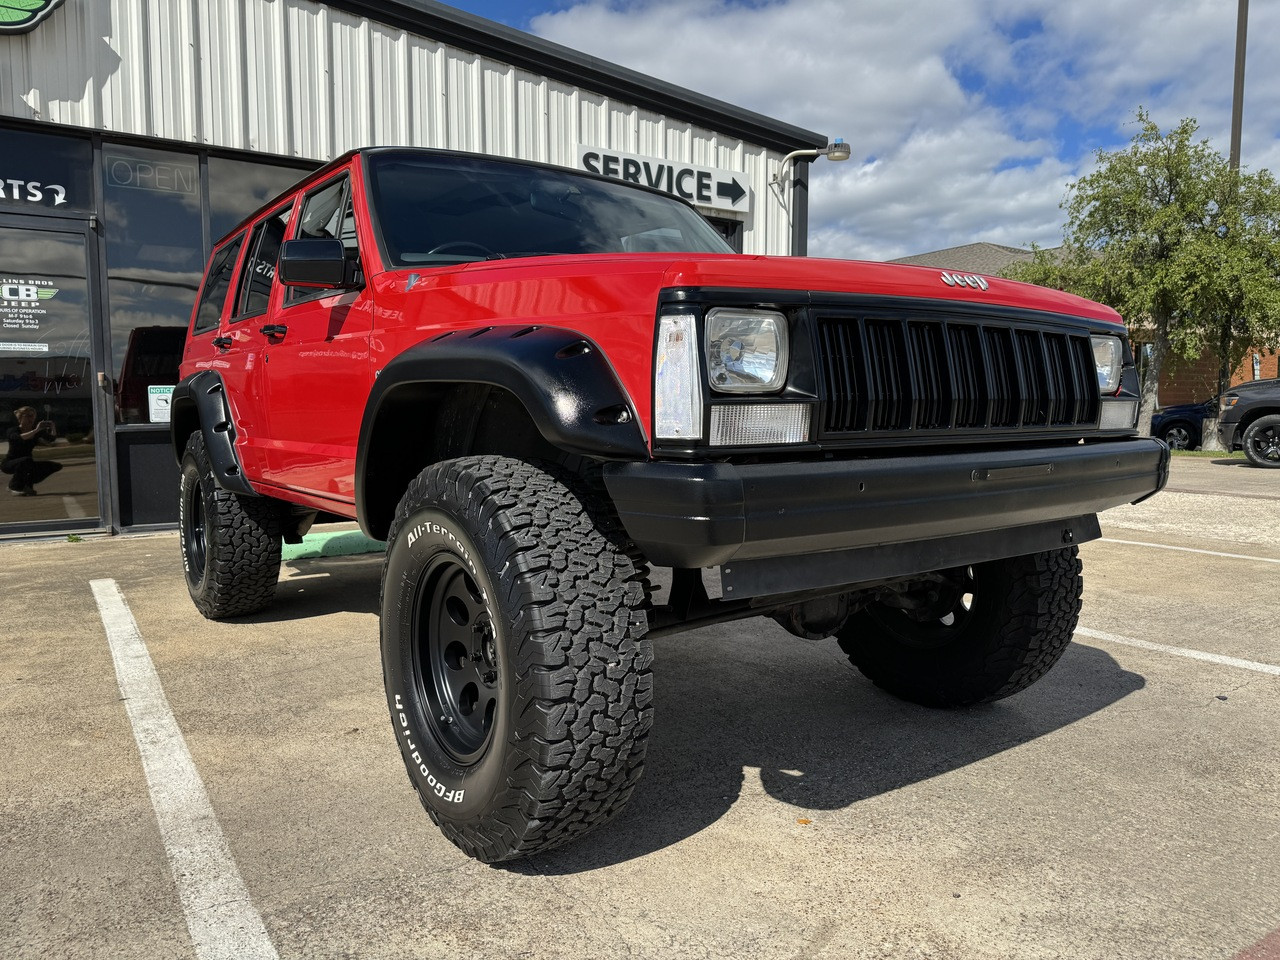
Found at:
(702, 186)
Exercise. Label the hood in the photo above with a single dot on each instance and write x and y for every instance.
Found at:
(883, 279)
(810, 274)
(1253, 386)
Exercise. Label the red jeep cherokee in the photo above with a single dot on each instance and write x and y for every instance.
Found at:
(535, 384)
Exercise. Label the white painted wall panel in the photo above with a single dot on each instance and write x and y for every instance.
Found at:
(296, 78)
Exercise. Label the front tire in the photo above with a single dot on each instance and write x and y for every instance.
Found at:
(999, 628)
(1179, 436)
(514, 654)
(1261, 442)
(230, 542)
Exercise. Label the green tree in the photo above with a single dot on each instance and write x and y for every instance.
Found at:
(1185, 248)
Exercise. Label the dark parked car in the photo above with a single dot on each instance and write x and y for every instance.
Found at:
(1179, 425)
(1249, 419)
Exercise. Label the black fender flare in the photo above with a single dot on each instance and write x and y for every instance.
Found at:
(200, 400)
(562, 378)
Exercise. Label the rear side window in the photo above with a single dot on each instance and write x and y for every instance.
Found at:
(214, 295)
(260, 267)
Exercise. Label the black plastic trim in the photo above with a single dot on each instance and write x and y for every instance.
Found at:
(204, 390)
(771, 576)
(708, 514)
(564, 381)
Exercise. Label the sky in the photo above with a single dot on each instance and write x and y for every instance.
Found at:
(968, 119)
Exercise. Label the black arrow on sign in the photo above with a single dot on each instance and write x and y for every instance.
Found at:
(732, 191)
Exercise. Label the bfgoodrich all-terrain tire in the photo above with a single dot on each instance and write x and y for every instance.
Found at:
(230, 543)
(1261, 442)
(999, 629)
(514, 654)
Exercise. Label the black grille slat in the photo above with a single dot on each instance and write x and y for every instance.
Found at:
(970, 385)
(888, 376)
(1058, 357)
(1035, 401)
(932, 393)
(918, 373)
(1086, 380)
(1002, 374)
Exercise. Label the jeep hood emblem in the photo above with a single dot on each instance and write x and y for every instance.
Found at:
(964, 280)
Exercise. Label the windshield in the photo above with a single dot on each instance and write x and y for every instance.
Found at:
(435, 210)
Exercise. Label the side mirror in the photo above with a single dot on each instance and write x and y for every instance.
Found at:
(313, 262)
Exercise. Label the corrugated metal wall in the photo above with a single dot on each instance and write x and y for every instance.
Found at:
(297, 78)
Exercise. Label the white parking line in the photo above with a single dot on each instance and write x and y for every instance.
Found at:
(1180, 651)
(223, 922)
(1211, 553)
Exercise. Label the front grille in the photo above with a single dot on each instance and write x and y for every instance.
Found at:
(887, 375)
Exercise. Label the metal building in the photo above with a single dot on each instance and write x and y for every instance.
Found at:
(134, 133)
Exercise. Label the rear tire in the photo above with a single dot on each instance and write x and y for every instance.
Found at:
(230, 542)
(1261, 442)
(515, 655)
(1007, 623)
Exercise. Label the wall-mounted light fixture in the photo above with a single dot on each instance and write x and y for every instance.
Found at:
(836, 151)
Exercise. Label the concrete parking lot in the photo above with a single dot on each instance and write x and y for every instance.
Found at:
(1126, 806)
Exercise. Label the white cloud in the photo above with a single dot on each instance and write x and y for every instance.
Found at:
(940, 159)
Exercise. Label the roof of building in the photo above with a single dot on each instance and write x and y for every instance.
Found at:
(988, 258)
(505, 44)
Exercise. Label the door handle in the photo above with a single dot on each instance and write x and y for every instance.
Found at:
(223, 342)
(274, 329)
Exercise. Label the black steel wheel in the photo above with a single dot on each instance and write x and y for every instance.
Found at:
(1261, 442)
(983, 633)
(192, 534)
(515, 655)
(230, 542)
(457, 668)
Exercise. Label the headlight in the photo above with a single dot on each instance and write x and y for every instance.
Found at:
(1227, 401)
(1108, 357)
(746, 350)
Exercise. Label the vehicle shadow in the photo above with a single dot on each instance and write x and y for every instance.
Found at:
(822, 737)
(743, 708)
(316, 586)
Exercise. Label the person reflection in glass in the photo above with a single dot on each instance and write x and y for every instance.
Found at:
(18, 461)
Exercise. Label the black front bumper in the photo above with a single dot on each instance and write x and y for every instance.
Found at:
(1227, 434)
(712, 514)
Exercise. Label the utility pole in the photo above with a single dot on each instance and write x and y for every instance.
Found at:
(1237, 96)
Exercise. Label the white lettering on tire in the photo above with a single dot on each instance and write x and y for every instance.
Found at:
(438, 788)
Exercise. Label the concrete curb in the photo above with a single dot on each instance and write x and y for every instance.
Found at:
(340, 543)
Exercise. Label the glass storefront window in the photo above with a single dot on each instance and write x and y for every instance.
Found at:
(44, 173)
(155, 257)
(48, 457)
(239, 187)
